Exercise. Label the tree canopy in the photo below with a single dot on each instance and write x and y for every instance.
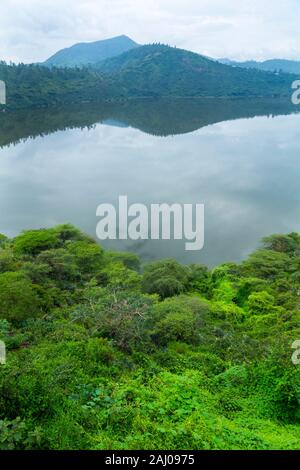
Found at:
(105, 352)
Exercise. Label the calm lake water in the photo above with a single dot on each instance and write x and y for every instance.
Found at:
(241, 162)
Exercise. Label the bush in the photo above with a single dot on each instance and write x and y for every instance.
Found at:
(14, 435)
(94, 363)
(178, 319)
(261, 303)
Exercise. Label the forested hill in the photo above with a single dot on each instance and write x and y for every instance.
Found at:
(271, 65)
(162, 70)
(38, 86)
(147, 71)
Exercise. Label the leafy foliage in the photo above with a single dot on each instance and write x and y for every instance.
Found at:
(103, 354)
(160, 70)
(37, 86)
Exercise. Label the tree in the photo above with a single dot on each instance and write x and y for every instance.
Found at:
(178, 319)
(89, 256)
(18, 298)
(261, 303)
(200, 279)
(283, 243)
(3, 239)
(165, 278)
(33, 242)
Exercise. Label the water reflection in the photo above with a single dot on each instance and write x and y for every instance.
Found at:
(160, 117)
(245, 171)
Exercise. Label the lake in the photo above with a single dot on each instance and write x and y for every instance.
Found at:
(239, 158)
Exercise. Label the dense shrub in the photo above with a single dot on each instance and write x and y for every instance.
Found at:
(165, 278)
(18, 297)
(100, 356)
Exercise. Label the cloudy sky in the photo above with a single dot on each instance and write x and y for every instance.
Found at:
(32, 30)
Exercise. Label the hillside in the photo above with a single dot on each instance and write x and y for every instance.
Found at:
(272, 65)
(90, 53)
(158, 70)
(36, 86)
(146, 71)
(103, 355)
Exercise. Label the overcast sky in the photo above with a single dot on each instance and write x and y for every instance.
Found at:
(32, 30)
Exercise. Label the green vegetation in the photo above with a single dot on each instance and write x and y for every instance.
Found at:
(146, 71)
(158, 70)
(104, 354)
(30, 86)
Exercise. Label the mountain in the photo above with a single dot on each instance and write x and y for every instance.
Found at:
(159, 70)
(272, 65)
(90, 53)
(147, 71)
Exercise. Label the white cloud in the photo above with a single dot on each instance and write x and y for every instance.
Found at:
(32, 30)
